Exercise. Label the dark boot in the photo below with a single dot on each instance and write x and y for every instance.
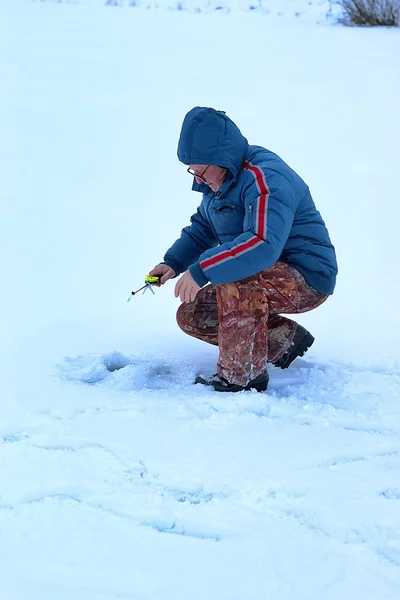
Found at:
(301, 343)
(220, 384)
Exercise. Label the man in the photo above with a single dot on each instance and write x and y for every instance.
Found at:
(258, 239)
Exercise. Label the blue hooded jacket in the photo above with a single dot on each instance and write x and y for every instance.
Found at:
(262, 213)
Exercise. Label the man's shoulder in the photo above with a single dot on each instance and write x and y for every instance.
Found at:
(263, 158)
(272, 165)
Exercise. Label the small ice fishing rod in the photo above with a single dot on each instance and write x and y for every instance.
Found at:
(148, 282)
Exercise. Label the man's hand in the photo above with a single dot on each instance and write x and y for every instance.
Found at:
(186, 288)
(164, 270)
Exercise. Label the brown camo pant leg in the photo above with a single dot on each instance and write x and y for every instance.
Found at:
(288, 293)
(251, 331)
(242, 318)
(200, 318)
(243, 329)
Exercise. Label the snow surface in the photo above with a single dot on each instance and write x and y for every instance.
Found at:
(119, 479)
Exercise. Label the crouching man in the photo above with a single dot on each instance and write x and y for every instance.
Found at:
(256, 248)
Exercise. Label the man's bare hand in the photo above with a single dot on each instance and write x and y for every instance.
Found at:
(186, 288)
(164, 270)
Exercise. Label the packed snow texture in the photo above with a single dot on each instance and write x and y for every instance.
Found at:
(119, 478)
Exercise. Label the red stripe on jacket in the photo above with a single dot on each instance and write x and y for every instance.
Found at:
(261, 218)
(211, 262)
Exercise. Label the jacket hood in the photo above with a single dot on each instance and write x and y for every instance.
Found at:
(209, 137)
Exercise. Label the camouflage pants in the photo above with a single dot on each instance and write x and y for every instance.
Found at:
(242, 318)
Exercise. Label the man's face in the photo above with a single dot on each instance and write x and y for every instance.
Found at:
(211, 175)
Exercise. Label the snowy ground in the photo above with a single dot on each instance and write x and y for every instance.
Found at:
(120, 479)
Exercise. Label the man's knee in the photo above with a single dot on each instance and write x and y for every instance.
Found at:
(182, 316)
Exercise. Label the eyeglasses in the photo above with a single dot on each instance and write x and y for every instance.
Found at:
(194, 174)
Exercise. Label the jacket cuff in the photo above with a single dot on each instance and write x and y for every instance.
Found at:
(198, 274)
(175, 266)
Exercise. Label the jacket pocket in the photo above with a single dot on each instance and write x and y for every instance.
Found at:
(227, 220)
(226, 208)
